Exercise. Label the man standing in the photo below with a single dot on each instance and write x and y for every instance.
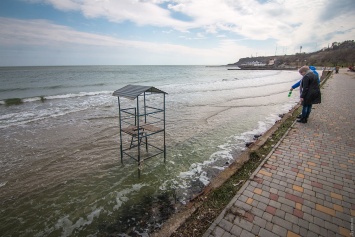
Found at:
(310, 92)
(298, 84)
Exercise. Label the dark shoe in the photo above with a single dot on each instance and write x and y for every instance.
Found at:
(299, 116)
(302, 120)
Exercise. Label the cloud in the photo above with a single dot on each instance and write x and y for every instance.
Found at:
(289, 22)
(333, 9)
(52, 38)
(277, 22)
(138, 11)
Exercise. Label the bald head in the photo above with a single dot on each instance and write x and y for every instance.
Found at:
(303, 69)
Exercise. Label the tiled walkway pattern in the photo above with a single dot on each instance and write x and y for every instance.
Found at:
(306, 186)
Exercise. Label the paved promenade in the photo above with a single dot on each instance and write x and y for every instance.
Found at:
(306, 186)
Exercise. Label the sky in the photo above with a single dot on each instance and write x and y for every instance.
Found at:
(167, 32)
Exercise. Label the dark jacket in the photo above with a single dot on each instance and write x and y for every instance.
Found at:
(310, 89)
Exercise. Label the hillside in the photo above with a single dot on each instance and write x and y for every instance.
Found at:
(342, 54)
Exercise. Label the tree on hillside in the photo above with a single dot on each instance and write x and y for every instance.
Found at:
(335, 45)
(338, 54)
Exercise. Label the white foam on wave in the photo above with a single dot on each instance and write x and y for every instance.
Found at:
(198, 171)
(33, 99)
(65, 105)
(2, 184)
(30, 116)
(263, 126)
(245, 80)
(63, 96)
(121, 197)
(81, 94)
(68, 226)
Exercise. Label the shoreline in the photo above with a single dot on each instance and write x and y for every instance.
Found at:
(96, 144)
(178, 219)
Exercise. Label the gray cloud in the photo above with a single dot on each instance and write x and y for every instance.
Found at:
(264, 22)
(334, 9)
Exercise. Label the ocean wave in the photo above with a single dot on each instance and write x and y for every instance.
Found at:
(63, 96)
(29, 117)
(48, 87)
(80, 94)
(68, 226)
(12, 89)
(121, 197)
(223, 85)
(61, 105)
(219, 160)
(69, 86)
(2, 184)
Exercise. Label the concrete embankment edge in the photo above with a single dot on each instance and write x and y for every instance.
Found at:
(182, 215)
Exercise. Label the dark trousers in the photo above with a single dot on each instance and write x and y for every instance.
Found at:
(306, 110)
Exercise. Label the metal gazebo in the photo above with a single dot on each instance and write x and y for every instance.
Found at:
(138, 121)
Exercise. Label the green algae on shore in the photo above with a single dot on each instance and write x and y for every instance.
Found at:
(215, 201)
(13, 101)
(211, 204)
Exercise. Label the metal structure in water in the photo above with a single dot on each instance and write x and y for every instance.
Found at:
(139, 121)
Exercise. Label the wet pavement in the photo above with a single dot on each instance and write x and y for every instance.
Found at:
(306, 186)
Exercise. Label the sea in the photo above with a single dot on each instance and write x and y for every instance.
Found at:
(60, 163)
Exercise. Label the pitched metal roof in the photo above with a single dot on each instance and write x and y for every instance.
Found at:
(133, 91)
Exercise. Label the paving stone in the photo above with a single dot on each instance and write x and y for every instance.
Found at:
(260, 222)
(280, 213)
(303, 223)
(308, 217)
(255, 230)
(262, 199)
(344, 231)
(269, 226)
(243, 224)
(267, 216)
(303, 232)
(319, 222)
(312, 234)
(226, 234)
(229, 217)
(306, 186)
(287, 202)
(286, 208)
(330, 233)
(323, 232)
(218, 231)
(291, 218)
(264, 232)
(343, 216)
(309, 204)
(261, 206)
(278, 230)
(257, 212)
(314, 228)
(282, 222)
(236, 230)
(226, 225)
